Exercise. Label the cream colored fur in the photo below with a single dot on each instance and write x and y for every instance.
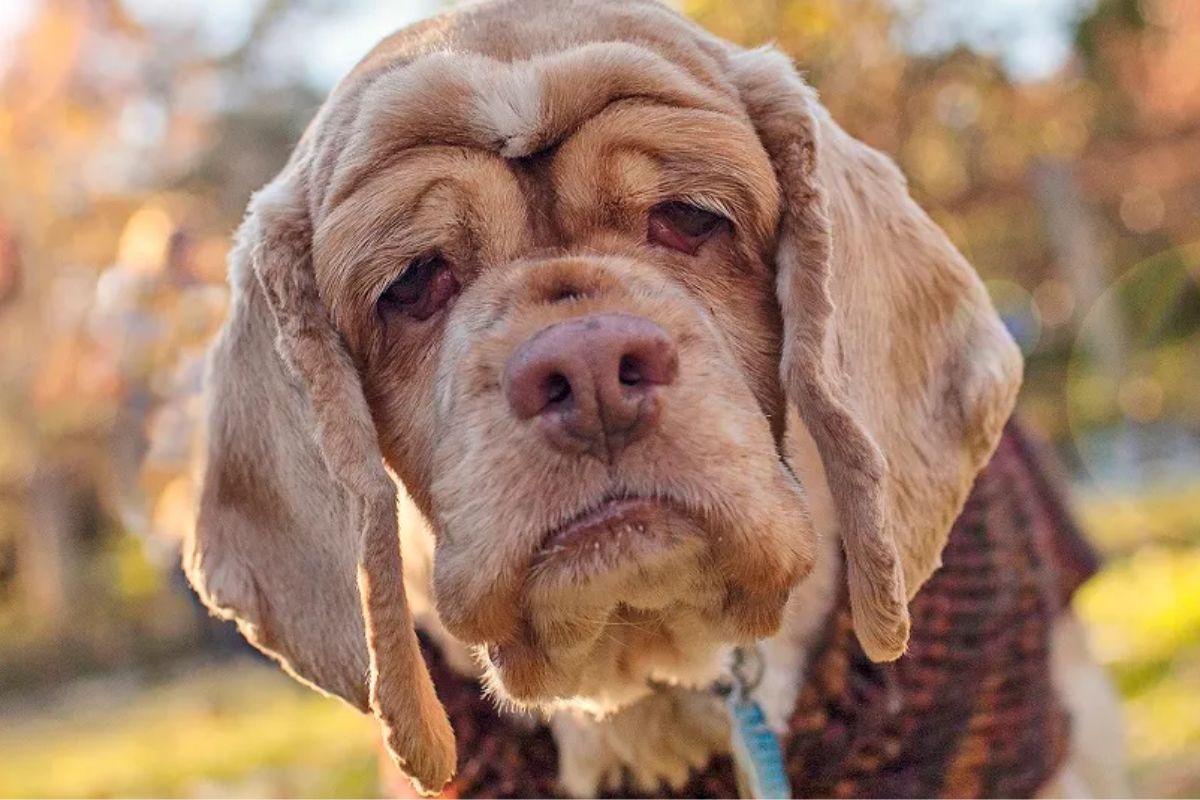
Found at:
(842, 378)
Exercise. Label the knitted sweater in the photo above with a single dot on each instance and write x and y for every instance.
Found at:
(968, 711)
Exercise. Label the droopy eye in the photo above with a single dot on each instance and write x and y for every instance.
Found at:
(425, 286)
(682, 226)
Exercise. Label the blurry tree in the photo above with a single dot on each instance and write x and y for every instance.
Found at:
(1052, 187)
(10, 264)
(128, 148)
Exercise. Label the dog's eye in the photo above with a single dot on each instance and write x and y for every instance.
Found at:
(682, 226)
(425, 286)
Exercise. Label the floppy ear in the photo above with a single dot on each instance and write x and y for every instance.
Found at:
(297, 533)
(893, 354)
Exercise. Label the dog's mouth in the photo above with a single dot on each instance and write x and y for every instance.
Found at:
(605, 592)
(619, 530)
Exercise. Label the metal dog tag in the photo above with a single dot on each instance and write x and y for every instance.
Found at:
(757, 754)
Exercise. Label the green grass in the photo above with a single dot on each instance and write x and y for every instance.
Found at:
(242, 729)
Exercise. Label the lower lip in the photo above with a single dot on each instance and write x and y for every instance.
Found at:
(602, 539)
(633, 511)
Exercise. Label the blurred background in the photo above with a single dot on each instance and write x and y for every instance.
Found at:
(1057, 141)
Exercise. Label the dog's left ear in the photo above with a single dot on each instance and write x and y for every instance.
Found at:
(893, 354)
(296, 536)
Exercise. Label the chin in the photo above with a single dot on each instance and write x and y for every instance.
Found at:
(639, 652)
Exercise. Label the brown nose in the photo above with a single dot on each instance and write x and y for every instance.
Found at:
(592, 381)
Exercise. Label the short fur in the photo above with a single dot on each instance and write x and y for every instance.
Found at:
(842, 374)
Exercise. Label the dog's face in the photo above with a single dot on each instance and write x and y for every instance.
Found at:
(572, 363)
(573, 280)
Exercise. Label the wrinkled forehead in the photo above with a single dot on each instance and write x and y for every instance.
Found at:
(514, 108)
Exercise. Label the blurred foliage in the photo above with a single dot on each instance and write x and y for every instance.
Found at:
(133, 131)
(1052, 188)
(1144, 614)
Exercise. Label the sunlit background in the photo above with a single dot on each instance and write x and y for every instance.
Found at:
(1058, 141)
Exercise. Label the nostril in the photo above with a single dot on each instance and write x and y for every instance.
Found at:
(630, 371)
(558, 388)
(650, 361)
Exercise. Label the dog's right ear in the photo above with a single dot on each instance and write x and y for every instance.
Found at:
(297, 535)
(893, 354)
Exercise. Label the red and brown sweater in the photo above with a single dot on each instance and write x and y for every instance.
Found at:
(968, 711)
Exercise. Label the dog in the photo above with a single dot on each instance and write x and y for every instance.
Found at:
(641, 361)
